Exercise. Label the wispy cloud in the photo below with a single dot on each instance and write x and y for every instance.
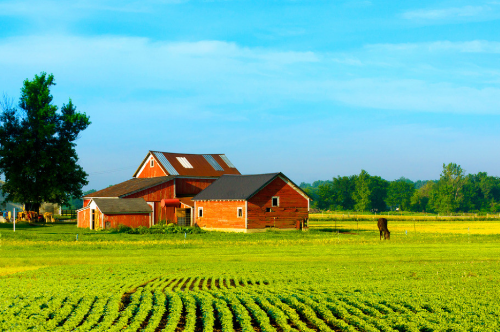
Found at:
(474, 46)
(488, 10)
(206, 75)
(57, 9)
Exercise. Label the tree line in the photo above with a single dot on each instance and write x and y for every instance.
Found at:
(454, 192)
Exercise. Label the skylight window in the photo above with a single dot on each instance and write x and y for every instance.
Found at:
(184, 162)
(226, 160)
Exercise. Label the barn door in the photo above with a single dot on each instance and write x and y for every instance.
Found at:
(152, 215)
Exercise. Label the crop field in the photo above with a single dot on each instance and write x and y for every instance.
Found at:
(320, 280)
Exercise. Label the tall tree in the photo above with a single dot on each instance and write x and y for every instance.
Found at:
(362, 192)
(37, 149)
(449, 190)
(400, 193)
(343, 190)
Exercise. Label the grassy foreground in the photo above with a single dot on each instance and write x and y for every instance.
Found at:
(429, 277)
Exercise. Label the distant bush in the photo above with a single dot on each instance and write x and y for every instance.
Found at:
(157, 229)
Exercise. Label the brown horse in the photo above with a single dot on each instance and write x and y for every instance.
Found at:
(382, 227)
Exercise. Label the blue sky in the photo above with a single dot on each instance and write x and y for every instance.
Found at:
(314, 89)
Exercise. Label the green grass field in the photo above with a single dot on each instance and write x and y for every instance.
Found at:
(320, 280)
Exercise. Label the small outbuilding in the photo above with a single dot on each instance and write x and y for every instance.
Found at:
(111, 212)
(252, 203)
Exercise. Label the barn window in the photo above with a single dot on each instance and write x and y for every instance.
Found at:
(152, 163)
(240, 212)
(276, 201)
(269, 210)
(200, 212)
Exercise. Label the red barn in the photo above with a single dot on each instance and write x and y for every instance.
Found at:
(173, 178)
(109, 213)
(252, 203)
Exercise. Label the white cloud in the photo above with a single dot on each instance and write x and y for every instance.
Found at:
(439, 14)
(210, 75)
(489, 10)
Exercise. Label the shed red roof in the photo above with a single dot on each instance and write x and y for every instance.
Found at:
(184, 164)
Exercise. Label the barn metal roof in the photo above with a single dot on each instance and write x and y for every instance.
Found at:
(203, 165)
(130, 186)
(122, 205)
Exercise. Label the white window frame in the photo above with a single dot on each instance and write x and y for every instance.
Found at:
(238, 212)
(200, 209)
(272, 201)
(152, 163)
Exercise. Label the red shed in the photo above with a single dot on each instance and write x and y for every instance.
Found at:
(252, 203)
(110, 212)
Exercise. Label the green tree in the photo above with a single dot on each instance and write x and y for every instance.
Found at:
(378, 193)
(343, 191)
(449, 190)
(420, 198)
(37, 149)
(400, 193)
(362, 191)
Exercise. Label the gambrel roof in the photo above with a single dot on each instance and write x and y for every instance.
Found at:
(184, 164)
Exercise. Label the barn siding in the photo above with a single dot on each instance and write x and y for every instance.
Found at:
(83, 218)
(86, 202)
(151, 172)
(220, 214)
(156, 194)
(191, 187)
(131, 220)
(293, 207)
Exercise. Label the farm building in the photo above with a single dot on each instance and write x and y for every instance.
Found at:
(109, 213)
(166, 182)
(175, 185)
(251, 203)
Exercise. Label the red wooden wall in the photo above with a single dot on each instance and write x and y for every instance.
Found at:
(83, 218)
(156, 194)
(293, 207)
(86, 202)
(151, 172)
(191, 187)
(131, 220)
(220, 214)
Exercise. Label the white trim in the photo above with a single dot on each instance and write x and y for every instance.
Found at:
(148, 158)
(238, 209)
(192, 217)
(272, 201)
(198, 212)
(246, 214)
